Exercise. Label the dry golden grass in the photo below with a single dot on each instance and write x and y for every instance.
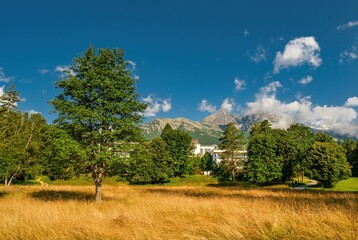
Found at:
(67, 212)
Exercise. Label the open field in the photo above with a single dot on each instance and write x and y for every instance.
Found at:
(168, 212)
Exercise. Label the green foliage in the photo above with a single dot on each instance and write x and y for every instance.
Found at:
(207, 162)
(21, 140)
(194, 165)
(328, 162)
(232, 142)
(287, 150)
(260, 127)
(351, 148)
(303, 138)
(263, 165)
(180, 147)
(149, 163)
(64, 156)
(99, 108)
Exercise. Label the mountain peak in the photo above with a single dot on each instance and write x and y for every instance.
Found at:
(220, 119)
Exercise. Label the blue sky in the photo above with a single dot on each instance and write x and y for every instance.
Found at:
(188, 54)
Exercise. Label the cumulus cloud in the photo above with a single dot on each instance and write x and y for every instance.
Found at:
(258, 55)
(4, 78)
(299, 51)
(205, 106)
(349, 55)
(64, 70)
(352, 102)
(228, 104)
(239, 84)
(347, 25)
(43, 71)
(156, 105)
(305, 80)
(340, 119)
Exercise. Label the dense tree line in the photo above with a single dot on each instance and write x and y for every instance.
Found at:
(97, 132)
(276, 155)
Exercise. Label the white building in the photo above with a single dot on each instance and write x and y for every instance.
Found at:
(200, 150)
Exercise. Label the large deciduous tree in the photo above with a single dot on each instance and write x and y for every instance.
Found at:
(263, 165)
(328, 162)
(99, 108)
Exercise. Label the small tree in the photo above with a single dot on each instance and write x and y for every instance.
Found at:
(99, 108)
(180, 146)
(231, 143)
(207, 162)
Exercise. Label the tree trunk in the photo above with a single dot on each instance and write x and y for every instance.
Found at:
(98, 192)
(233, 175)
(98, 176)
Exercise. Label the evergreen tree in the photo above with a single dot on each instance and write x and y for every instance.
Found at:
(99, 108)
(207, 162)
(232, 142)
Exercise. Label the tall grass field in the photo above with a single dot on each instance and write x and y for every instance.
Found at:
(175, 212)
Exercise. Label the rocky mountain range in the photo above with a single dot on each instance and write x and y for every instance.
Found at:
(210, 129)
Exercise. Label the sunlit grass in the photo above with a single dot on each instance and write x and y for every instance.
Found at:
(172, 212)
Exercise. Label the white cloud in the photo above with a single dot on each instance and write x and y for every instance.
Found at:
(258, 55)
(349, 55)
(166, 105)
(2, 90)
(340, 119)
(136, 77)
(269, 90)
(299, 51)
(33, 112)
(156, 105)
(246, 33)
(43, 71)
(228, 104)
(239, 84)
(64, 70)
(347, 25)
(305, 80)
(204, 106)
(352, 102)
(132, 64)
(4, 78)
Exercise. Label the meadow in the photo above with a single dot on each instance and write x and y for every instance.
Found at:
(176, 212)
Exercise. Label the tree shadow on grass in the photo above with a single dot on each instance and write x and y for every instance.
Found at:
(53, 195)
(2, 193)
